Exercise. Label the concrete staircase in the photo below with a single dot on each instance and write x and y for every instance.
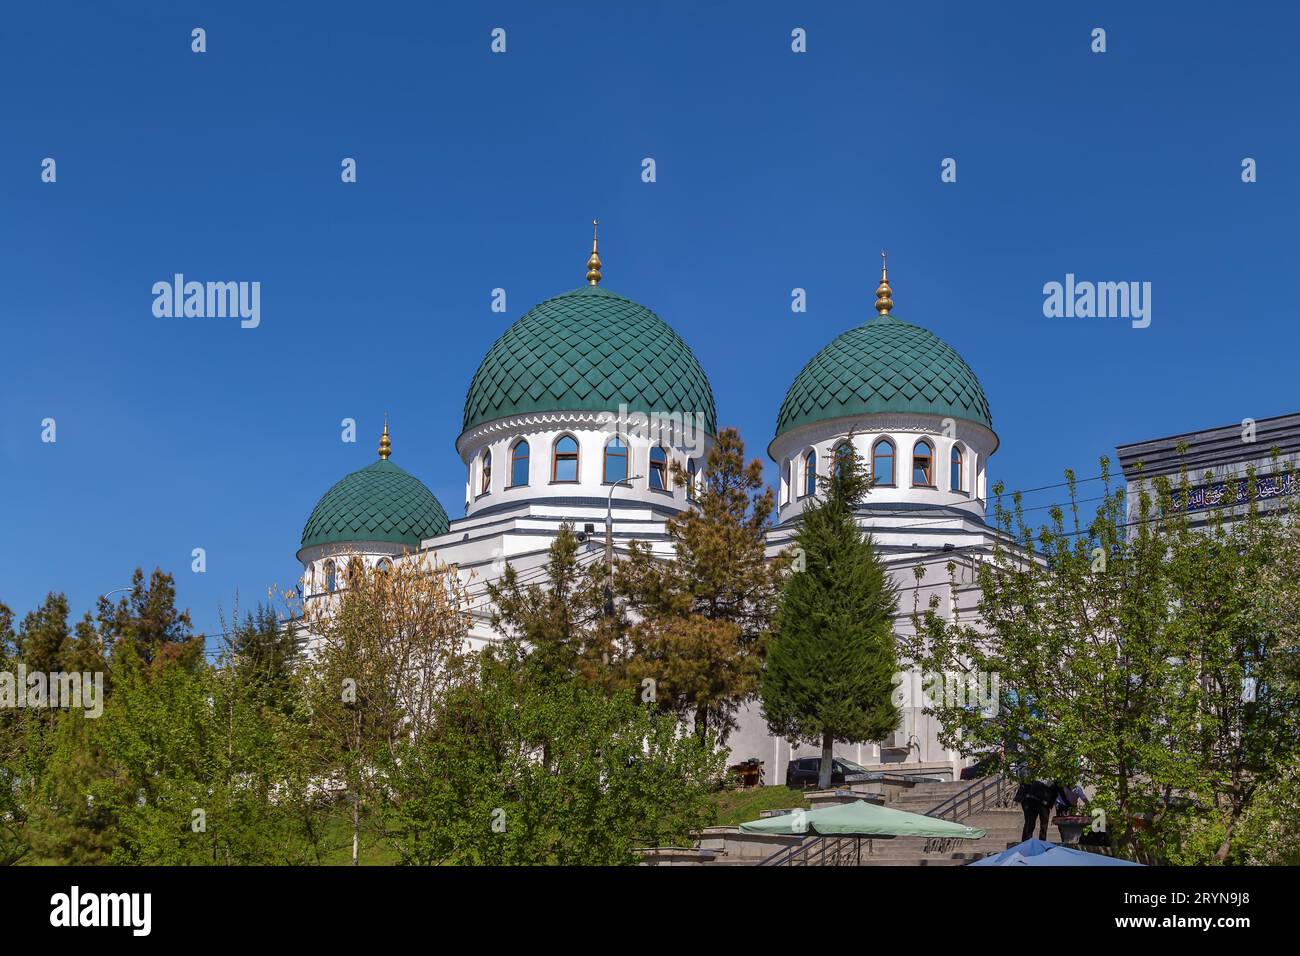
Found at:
(1001, 826)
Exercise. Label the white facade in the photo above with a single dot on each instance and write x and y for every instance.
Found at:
(526, 475)
(514, 521)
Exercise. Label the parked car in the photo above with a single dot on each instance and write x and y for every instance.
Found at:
(806, 772)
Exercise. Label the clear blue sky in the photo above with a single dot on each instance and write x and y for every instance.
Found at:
(775, 170)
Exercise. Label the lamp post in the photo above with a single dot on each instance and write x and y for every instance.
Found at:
(609, 543)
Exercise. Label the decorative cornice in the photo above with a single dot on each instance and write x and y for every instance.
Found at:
(471, 441)
(972, 433)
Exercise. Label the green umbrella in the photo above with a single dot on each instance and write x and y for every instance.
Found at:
(862, 819)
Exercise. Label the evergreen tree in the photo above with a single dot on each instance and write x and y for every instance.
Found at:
(559, 625)
(7, 635)
(85, 652)
(832, 659)
(71, 804)
(147, 623)
(702, 619)
(43, 638)
(263, 654)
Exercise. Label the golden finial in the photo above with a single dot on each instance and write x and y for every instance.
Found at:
(593, 264)
(385, 446)
(884, 294)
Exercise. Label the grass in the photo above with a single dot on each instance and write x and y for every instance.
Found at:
(338, 843)
(735, 807)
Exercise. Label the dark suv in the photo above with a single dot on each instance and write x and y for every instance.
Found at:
(806, 772)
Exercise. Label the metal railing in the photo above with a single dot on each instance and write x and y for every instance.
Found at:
(821, 851)
(994, 792)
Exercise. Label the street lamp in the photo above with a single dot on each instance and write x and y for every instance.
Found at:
(609, 544)
(609, 521)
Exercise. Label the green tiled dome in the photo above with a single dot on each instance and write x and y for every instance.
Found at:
(379, 502)
(589, 350)
(884, 365)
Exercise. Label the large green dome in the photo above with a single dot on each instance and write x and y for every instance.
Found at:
(380, 502)
(884, 365)
(589, 350)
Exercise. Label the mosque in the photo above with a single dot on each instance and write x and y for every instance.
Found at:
(540, 447)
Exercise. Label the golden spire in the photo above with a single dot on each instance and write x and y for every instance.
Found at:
(593, 264)
(385, 446)
(884, 294)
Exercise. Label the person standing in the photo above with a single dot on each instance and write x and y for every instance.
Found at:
(1036, 799)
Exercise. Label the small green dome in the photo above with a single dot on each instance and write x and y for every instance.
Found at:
(884, 365)
(379, 502)
(589, 350)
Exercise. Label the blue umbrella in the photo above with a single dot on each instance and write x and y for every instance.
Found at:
(1038, 853)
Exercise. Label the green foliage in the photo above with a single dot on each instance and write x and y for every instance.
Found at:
(147, 623)
(831, 663)
(702, 619)
(7, 636)
(263, 655)
(43, 639)
(558, 627)
(517, 771)
(71, 818)
(1125, 646)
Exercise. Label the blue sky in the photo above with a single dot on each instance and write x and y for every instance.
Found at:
(775, 170)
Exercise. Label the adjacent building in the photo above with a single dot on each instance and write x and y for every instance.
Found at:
(1217, 463)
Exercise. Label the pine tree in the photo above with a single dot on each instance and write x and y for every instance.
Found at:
(43, 638)
(146, 621)
(558, 625)
(85, 652)
(830, 665)
(702, 619)
(263, 655)
(7, 635)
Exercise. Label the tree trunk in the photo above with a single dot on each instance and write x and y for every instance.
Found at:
(356, 828)
(1225, 847)
(701, 723)
(824, 779)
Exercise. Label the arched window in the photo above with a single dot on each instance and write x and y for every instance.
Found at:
(658, 468)
(565, 465)
(519, 464)
(810, 473)
(383, 566)
(922, 465)
(331, 577)
(355, 571)
(882, 462)
(615, 461)
(691, 491)
(787, 489)
(956, 470)
(843, 457)
(485, 472)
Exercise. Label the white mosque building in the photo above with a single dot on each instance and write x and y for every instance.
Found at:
(541, 447)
